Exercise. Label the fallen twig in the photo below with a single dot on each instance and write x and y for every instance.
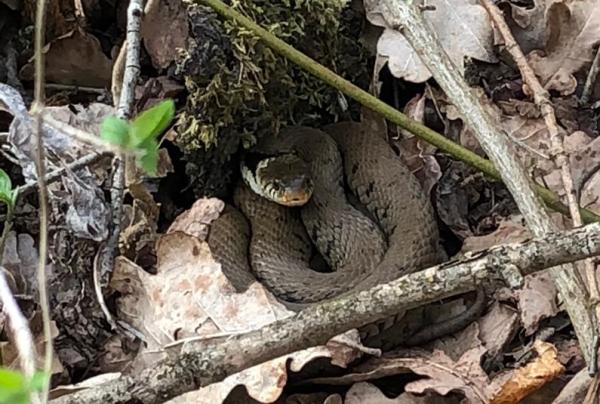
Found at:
(55, 175)
(40, 163)
(125, 99)
(591, 79)
(208, 362)
(22, 337)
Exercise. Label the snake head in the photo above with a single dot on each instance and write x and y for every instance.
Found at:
(284, 179)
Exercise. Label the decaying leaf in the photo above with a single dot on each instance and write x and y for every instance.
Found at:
(463, 28)
(510, 230)
(445, 375)
(573, 35)
(165, 31)
(544, 368)
(64, 56)
(497, 328)
(537, 300)
(367, 393)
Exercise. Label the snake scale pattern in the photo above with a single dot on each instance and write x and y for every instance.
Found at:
(395, 232)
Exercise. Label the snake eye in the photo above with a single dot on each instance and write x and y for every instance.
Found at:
(276, 186)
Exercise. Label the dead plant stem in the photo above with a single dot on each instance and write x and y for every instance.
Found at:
(38, 108)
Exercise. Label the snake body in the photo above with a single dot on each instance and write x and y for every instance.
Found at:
(396, 235)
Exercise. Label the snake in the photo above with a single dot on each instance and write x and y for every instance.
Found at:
(340, 194)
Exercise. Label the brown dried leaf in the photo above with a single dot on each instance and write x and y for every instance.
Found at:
(367, 393)
(462, 26)
(497, 328)
(573, 34)
(522, 382)
(510, 230)
(64, 57)
(537, 300)
(165, 31)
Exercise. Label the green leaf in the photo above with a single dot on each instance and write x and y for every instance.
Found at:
(38, 381)
(149, 158)
(13, 387)
(5, 182)
(115, 130)
(11, 380)
(151, 122)
(7, 194)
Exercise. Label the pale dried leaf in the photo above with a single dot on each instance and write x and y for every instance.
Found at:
(574, 33)
(462, 26)
(522, 382)
(366, 393)
(445, 375)
(510, 230)
(196, 220)
(537, 300)
(528, 24)
(497, 328)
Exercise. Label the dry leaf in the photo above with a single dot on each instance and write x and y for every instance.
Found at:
(522, 382)
(367, 393)
(64, 57)
(462, 26)
(510, 230)
(165, 31)
(445, 375)
(572, 37)
(537, 300)
(497, 328)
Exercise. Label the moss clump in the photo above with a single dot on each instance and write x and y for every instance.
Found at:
(240, 90)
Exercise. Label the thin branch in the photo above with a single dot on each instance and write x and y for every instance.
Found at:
(83, 136)
(55, 175)
(38, 107)
(206, 362)
(125, 100)
(590, 81)
(22, 337)
(541, 98)
(421, 131)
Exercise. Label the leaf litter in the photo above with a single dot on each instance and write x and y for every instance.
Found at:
(189, 298)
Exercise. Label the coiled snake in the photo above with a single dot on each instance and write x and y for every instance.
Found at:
(395, 234)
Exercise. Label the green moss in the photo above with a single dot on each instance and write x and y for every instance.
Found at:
(239, 89)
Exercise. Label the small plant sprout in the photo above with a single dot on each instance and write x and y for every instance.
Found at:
(139, 135)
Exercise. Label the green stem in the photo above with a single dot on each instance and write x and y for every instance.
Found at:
(390, 113)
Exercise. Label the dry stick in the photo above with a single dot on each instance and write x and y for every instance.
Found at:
(201, 364)
(125, 104)
(22, 337)
(541, 98)
(591, 78)
(38, 107)
(55, 175)
(409, 20)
